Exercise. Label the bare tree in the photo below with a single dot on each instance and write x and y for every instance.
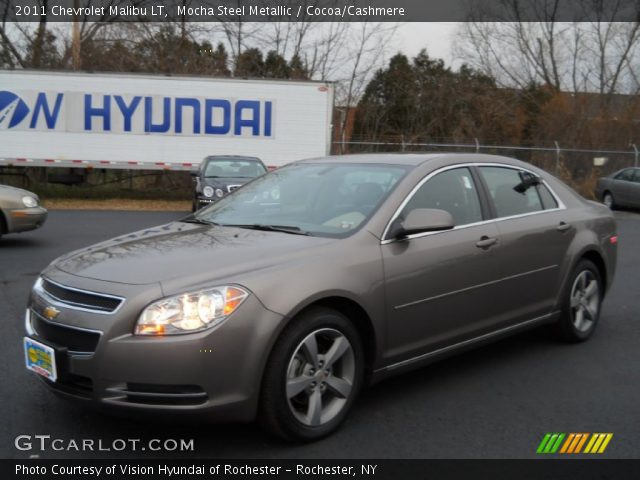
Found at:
(38, 45)
(518, 52)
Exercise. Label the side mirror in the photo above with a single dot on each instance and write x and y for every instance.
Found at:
(527, 180)
(194, 171)
(421, 220)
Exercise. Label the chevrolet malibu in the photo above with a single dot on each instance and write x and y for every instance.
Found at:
(282, 300)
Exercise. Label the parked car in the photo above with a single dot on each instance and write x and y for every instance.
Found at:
(20, 210)
(620, 189)
(283, 299)
(219, 175)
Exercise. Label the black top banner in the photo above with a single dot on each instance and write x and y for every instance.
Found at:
(318, 10)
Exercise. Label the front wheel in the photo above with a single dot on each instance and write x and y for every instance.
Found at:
(582, 302)
(313, 376)
(608, 200)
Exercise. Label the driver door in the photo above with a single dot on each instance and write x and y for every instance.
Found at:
(441, 287)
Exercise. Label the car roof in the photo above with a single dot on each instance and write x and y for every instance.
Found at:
(414, 159)
(231, 157)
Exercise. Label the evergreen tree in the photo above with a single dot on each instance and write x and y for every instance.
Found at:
(250, 64)
(275, 66)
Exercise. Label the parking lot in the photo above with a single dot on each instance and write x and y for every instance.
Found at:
(494, 402)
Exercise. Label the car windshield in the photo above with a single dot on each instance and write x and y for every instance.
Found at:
(233, 168)
(315, 199)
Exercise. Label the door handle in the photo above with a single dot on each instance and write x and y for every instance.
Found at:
(486, 242)
(563, 227)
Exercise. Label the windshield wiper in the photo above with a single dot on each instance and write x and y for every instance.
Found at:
(272, 228)
(199, 221)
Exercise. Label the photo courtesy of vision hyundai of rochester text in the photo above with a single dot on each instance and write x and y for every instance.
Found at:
(314, 280)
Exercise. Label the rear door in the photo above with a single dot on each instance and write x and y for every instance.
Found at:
(535, 234)
(622, 187)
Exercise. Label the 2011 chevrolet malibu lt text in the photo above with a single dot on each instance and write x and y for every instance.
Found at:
(283, 299)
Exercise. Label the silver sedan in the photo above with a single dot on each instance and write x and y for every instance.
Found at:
(20, 210)
(620, 189)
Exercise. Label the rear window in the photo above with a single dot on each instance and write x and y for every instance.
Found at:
(502, 183)
(626, 175)
(548, 200)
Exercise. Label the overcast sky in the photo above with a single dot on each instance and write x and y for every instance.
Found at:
(435, 37)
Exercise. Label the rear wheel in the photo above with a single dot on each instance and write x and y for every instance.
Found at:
(313, 376)
(583, 299)
(608, 200)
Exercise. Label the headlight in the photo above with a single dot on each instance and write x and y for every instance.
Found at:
(208, 191)
(29, 202)
(190, 312)
(219, 192)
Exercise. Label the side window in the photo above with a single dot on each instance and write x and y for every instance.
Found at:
(502, 183)
(626, 175)
(548, 200)
(453, 191)
(636, 175)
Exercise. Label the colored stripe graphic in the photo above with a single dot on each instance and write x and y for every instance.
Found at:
(543, 443)
(581, 442)
(565, 447)
(550, 443)
(598, 442)
(573, 443)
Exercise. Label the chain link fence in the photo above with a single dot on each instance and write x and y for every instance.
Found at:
(578, 167)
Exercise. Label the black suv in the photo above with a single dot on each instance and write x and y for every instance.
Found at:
(218, 175)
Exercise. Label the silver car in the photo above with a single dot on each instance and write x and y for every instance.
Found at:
(283, 299)
(20, 210)
(620, 189)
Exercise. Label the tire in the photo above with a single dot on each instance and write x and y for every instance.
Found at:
(318, 402)
(581, 304)
(608, 200)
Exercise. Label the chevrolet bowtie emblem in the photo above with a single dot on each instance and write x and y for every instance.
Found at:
(51, 312)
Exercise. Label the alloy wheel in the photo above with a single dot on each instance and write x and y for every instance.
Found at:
(320, 377)
(585, 301)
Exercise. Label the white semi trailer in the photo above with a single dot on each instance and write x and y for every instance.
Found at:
(153, 122)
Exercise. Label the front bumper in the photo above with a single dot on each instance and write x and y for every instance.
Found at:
(215, 373)
(202, 202)
(25, 219)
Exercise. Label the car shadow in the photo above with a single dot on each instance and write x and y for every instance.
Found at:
(18, 242)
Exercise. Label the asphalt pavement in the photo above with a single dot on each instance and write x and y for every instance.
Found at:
(494, 402)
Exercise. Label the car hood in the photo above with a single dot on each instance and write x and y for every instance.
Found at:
(15, 190)
(182, 254)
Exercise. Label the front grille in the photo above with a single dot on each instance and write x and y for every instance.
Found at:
(149, 394)
(81, 341)
(81, 299)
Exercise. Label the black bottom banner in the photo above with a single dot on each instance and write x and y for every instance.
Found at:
(300, 469)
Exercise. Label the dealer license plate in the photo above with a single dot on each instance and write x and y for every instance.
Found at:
(40, 358)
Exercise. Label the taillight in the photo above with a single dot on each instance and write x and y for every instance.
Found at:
(613, 239)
